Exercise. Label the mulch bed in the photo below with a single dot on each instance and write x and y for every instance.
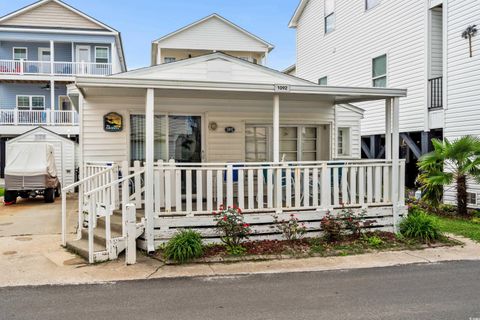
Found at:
(312, 247)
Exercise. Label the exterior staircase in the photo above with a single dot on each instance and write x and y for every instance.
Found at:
(102, 250)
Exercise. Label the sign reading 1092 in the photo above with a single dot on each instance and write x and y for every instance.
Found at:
(282, 88)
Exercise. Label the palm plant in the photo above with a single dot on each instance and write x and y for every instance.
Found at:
(451, 163)
(469, 33)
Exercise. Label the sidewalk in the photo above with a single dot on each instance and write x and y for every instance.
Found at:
(39, 260)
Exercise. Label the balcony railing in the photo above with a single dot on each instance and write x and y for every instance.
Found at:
(20, 67)
(15, 117)
(435, 86)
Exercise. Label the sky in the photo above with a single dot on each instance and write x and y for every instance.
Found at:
(141, 21)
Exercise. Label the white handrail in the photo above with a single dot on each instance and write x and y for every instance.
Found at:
(80, 201)
(111, 184)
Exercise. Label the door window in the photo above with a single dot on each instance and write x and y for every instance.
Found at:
(256, 144)
(184, 138)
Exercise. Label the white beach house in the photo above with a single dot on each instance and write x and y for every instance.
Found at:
(179, 139)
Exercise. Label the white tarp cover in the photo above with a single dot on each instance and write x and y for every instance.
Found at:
(30, 159)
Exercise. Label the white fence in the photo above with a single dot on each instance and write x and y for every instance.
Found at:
(66, 68)
(17, 117)
(199, 189)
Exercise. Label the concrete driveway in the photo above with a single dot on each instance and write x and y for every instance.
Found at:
(35, 217)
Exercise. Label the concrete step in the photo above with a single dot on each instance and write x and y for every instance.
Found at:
(80, 247)
(116, 220)
(99, 233)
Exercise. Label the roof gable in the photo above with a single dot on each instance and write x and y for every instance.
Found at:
(214, 33)
(215, 67)
(298, 13)
(53, 14)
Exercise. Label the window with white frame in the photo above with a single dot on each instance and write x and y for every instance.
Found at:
(379, 71)
(343, 142)
(297, 143)
(169, 59)
(329, 16)
(472, 198)
(369, 4)
(20, 53)
(25, 102)
(323, 81)
(256, 144)
(102, 55)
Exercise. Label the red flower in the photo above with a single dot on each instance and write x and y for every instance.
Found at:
(225, 218)
(214, 213)
(239, 210)
(246, 225)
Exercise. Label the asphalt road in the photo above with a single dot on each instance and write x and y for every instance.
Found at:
(435, 291)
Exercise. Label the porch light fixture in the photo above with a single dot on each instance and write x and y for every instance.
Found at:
(469, 33)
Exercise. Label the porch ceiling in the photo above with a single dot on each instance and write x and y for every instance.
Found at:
(111, 86)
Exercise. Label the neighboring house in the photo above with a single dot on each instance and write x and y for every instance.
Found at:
(292, 70)
(210, 34)
(42, 48)
(217, 129)
(389, 43)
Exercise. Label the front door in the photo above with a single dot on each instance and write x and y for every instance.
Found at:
(83, 58)
(183, 144)
(44, 57)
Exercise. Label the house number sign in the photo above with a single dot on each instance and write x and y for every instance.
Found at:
(282, 88)
(112, 122)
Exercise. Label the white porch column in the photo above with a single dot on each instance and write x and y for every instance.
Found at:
(52, 56)
(276, 128)
(51, 114)
(149, 156)
(395, 161)
(388, 129)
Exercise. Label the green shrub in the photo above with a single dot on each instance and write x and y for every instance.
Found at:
(332, 228)
(184, 246)
(420, 226)
(374, 241)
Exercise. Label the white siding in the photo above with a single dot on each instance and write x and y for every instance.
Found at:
(213, 34)
(346, 118)
(99, 145)
(462, 116)
(436, 43)
(394, 27)
(216, 69)
(51, 14)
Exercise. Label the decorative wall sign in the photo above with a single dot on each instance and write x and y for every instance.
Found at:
(213, 126)
(112, 122)
(229, 129)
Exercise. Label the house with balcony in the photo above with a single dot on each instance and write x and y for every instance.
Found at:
(43, 47)
(213, 33)
(381, 43)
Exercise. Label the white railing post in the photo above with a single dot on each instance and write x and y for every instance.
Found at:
(125, 193)
(395, 161)
(326, 188)
(64, 218)
(91, 211)
(15, 117)
(229, 185)
(130, 227)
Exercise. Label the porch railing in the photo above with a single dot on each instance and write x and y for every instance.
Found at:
(435, 93)
(67, 68)
(16, 117)
(198, 189)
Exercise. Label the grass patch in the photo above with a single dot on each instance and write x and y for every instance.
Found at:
(2, 192)
(466, 228)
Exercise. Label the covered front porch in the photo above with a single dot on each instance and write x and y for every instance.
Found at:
(185, 149)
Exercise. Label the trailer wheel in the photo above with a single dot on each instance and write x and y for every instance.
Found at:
(49, 195)
(10, 197)
(58, 191)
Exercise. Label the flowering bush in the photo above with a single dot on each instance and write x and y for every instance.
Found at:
(331, 227)
(354, 222)
(232, 227)
(291, 229)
